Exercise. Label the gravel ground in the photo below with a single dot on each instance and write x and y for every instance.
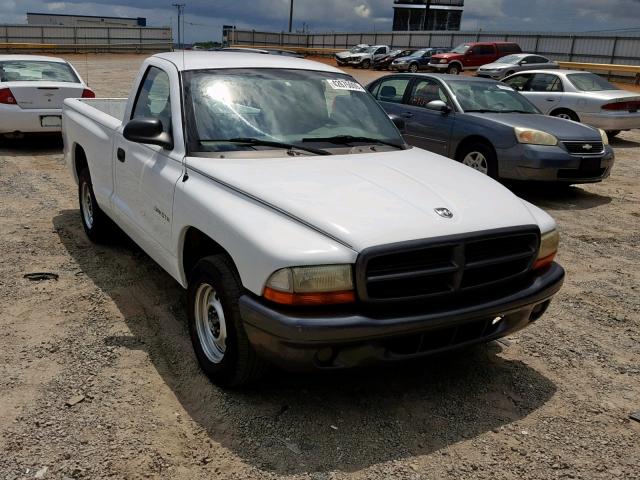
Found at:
(98, 379)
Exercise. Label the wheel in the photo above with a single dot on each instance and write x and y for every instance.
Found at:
(480, 157)
(566, 115)
(219, 340)
(454, 69)
(97, 225)
(413, 68)
(613, 133)
(366, 64)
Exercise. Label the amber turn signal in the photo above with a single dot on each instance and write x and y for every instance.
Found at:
(316, 298)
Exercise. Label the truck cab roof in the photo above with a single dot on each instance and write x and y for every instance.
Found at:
(185, 61)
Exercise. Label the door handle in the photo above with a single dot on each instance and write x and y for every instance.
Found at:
(121, 155)
(550, 100)
(407, 115)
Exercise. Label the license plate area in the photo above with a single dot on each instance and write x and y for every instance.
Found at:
(51, 121)
(590, 164)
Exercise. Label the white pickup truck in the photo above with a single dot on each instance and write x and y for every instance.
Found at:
(307, 232)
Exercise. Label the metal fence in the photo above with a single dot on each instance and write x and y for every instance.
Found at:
(569, 47)
(84, 39)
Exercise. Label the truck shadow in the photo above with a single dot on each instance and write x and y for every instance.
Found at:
(293, 424)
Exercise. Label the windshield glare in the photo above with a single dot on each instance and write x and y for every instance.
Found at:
(35, 71)
(277, 105)
(461, 49)
(590, 82)
(359, 49)
(490, 97)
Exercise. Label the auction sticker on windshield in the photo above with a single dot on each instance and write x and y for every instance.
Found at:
(345, 85)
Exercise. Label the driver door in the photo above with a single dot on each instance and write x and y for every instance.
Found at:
(425, 128)
(146, 175)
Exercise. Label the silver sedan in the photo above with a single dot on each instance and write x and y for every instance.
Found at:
(579, 96)
(515, 63)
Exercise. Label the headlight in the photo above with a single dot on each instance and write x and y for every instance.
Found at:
(605, 137)
(444, 60)
(314, 285)
(549, 243)
(535, 137)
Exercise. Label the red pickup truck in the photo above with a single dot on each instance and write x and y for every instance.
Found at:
(470, 56)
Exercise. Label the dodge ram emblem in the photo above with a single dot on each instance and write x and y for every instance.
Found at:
(444, 212)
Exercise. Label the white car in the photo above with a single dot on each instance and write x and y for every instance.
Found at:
(306, 231)
(518, 62)
(32, 90)
(365, 59)
(343, 57)
(580, 96)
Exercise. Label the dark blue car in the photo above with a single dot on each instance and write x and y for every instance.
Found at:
(418, 60)
(490, 127)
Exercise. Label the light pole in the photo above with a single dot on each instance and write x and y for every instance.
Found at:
(291, 17)
(180, 7)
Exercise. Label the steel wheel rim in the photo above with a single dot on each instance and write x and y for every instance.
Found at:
(564, 116)
(477, 161)
(454, 71)
(210, 323)
(87, 205)
(413, 68)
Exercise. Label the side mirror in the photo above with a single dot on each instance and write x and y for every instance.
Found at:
(398, 122)
(469, 52)
(148, 131)
(438, 106)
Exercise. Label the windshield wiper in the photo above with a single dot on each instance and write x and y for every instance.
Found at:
(346, 139)
(256, 142)
(514, 111)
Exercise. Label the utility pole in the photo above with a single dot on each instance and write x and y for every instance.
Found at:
(291, 17)
(180, 7)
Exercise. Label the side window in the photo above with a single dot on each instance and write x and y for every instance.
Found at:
(392, 90)
(154, 99)
(380, 50)
(483, 50)
(426, 91)
(543, 82)
(518, 82)
(539, 60)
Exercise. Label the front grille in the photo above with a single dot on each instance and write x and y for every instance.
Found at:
(580, 173)
(456, 268)
(584, 148)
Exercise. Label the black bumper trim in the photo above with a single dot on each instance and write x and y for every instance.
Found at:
(279, 334)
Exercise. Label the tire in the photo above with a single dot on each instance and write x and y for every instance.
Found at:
(97, 225)
(413, 68)
(566, 115)
(480, 157)
(217, 334)
(366, 64)
(613, 133)
(454, 69)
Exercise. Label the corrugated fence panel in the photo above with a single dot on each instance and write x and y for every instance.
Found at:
(594, 46)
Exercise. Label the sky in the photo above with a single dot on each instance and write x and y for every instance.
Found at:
(204, 18)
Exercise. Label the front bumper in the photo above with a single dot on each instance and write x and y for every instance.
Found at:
(399, 67)
(553, 164)
(612, 121)
(494, 75)
(303, 340)
(439, 66)
(16, 119)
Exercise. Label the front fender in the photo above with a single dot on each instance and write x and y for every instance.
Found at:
(260, 240)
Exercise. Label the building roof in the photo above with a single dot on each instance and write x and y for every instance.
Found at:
(83, 16)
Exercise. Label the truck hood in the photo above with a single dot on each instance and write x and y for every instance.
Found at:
(375, 198)
(448, 56)
(558, 127)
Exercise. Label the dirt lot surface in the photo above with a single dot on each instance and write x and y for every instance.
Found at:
(98, 378)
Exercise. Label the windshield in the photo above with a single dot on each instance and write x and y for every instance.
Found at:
(277, 105)
(489, 97)
(590, 82)
(510, 59)
(359, 49)
(461, 49)
(34, 71)
(418, 53)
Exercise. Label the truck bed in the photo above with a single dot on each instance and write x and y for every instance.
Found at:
(107, 111)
